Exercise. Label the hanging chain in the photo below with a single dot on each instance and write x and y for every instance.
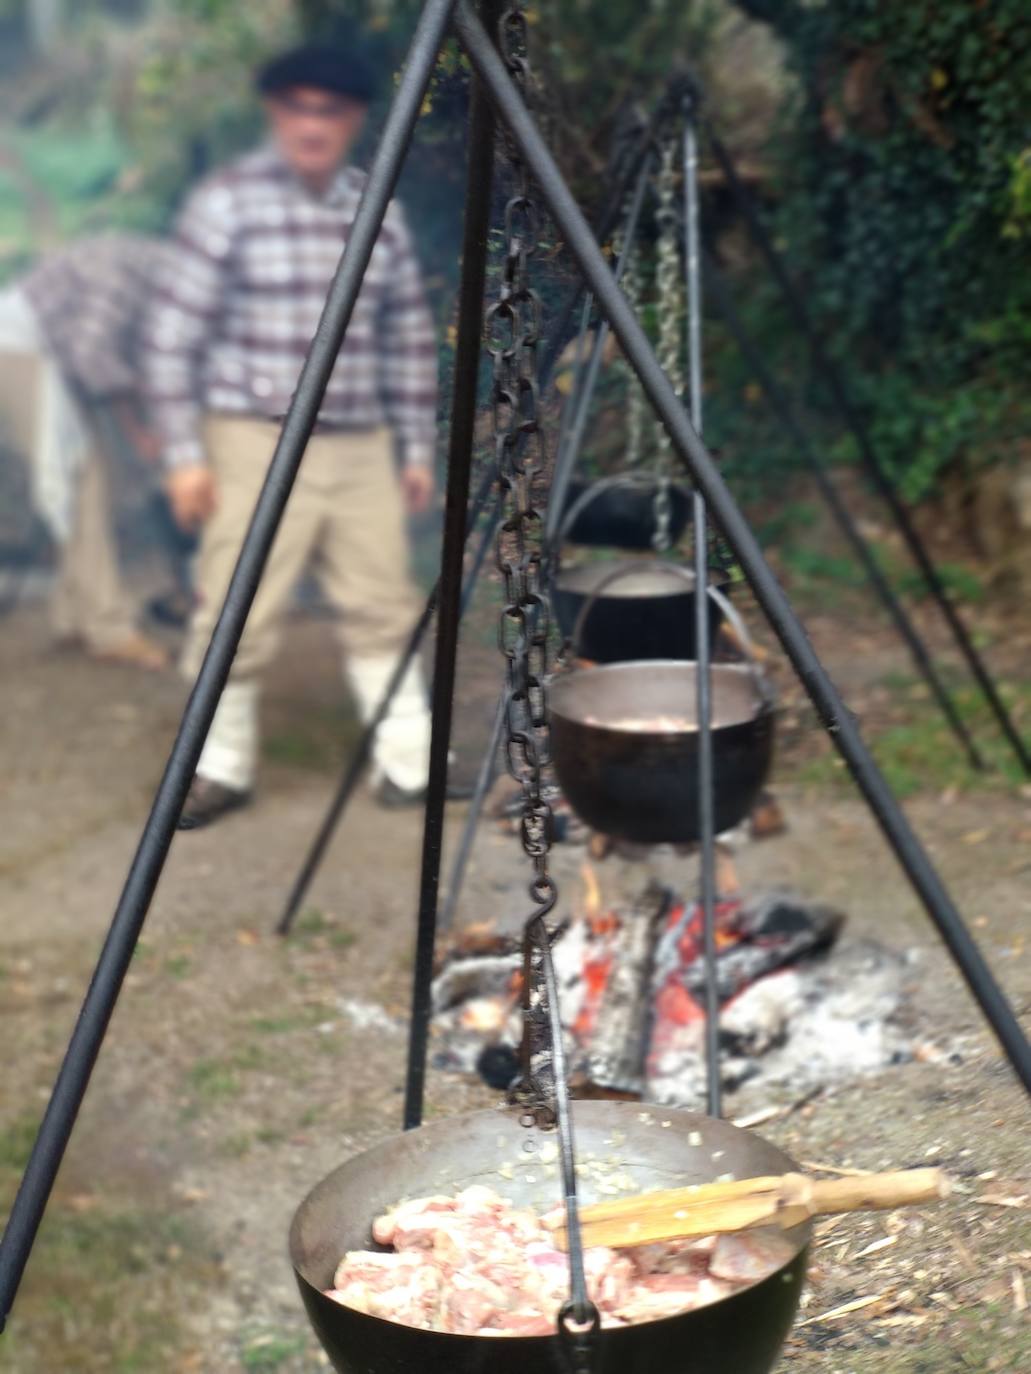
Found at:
(513, 336)
(669, 287)
(513, 330)
(636, 410)
(669, 290)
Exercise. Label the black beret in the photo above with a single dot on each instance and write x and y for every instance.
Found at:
(325, 67)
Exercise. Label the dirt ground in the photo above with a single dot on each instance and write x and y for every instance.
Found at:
(240, 1068)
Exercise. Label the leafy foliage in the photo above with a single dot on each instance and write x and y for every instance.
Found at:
(905, 188)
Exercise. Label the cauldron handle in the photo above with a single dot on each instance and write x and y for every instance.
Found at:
(685, 575)
(594, 490)
(747, 643)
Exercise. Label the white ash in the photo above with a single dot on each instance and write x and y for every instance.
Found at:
(463, 979)
(821, 1022)
(366, 1015)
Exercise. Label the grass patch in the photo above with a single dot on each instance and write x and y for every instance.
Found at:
(16, 1140)
(268, 1352)
(301, 1019)
(236, 1146)
(102, 1293)
(921, 754)
(250, 1057)
(313, 923)
(825, 573)
(277, 1025)
(178, 966)
(213, 1080)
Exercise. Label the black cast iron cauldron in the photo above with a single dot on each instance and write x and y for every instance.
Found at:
(632, 609)
(642, 785)
(619, 512)
(658, 1148)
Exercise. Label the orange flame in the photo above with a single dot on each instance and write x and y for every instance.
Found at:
(592, 892)
(599, 922)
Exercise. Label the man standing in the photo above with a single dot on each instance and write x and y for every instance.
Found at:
(258, 244)
(69, 336)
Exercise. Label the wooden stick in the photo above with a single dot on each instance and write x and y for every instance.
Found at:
(785, 1201)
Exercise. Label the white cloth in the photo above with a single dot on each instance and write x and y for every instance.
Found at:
(401, 750)
(62, 436)
(230, 754)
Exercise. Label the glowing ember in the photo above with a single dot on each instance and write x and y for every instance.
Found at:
(486, 1015)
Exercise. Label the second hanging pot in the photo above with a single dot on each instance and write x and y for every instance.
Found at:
(631, 610)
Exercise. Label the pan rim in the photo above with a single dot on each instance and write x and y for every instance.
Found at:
(571, 576)
(557, 688)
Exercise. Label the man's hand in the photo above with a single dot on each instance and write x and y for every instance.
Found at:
(417, 485)
(192, 494)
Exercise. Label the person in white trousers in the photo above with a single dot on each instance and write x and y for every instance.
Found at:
(69, 334)
(256, 249)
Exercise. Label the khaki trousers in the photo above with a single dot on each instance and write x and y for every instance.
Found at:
(346, 517)
(89, 601)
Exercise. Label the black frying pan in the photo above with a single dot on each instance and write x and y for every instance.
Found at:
(657, 1147)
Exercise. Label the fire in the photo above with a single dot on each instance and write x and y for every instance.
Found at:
(599, 922)
(592, 892)
(600, 959)
(486, 1015)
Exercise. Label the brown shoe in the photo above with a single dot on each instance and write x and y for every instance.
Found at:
(135, 650)
(206, 801)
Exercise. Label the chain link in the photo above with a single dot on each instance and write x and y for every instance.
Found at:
(636, 409)
(669, 289)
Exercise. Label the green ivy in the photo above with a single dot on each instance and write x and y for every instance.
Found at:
(904, 191)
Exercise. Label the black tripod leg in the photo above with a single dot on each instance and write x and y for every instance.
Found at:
(703, 648)
(825, 365)
(463, 418)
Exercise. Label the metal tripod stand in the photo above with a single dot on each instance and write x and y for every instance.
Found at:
(144, 874)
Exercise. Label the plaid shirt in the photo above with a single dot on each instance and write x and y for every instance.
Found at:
(237, 310)
(89, 300)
